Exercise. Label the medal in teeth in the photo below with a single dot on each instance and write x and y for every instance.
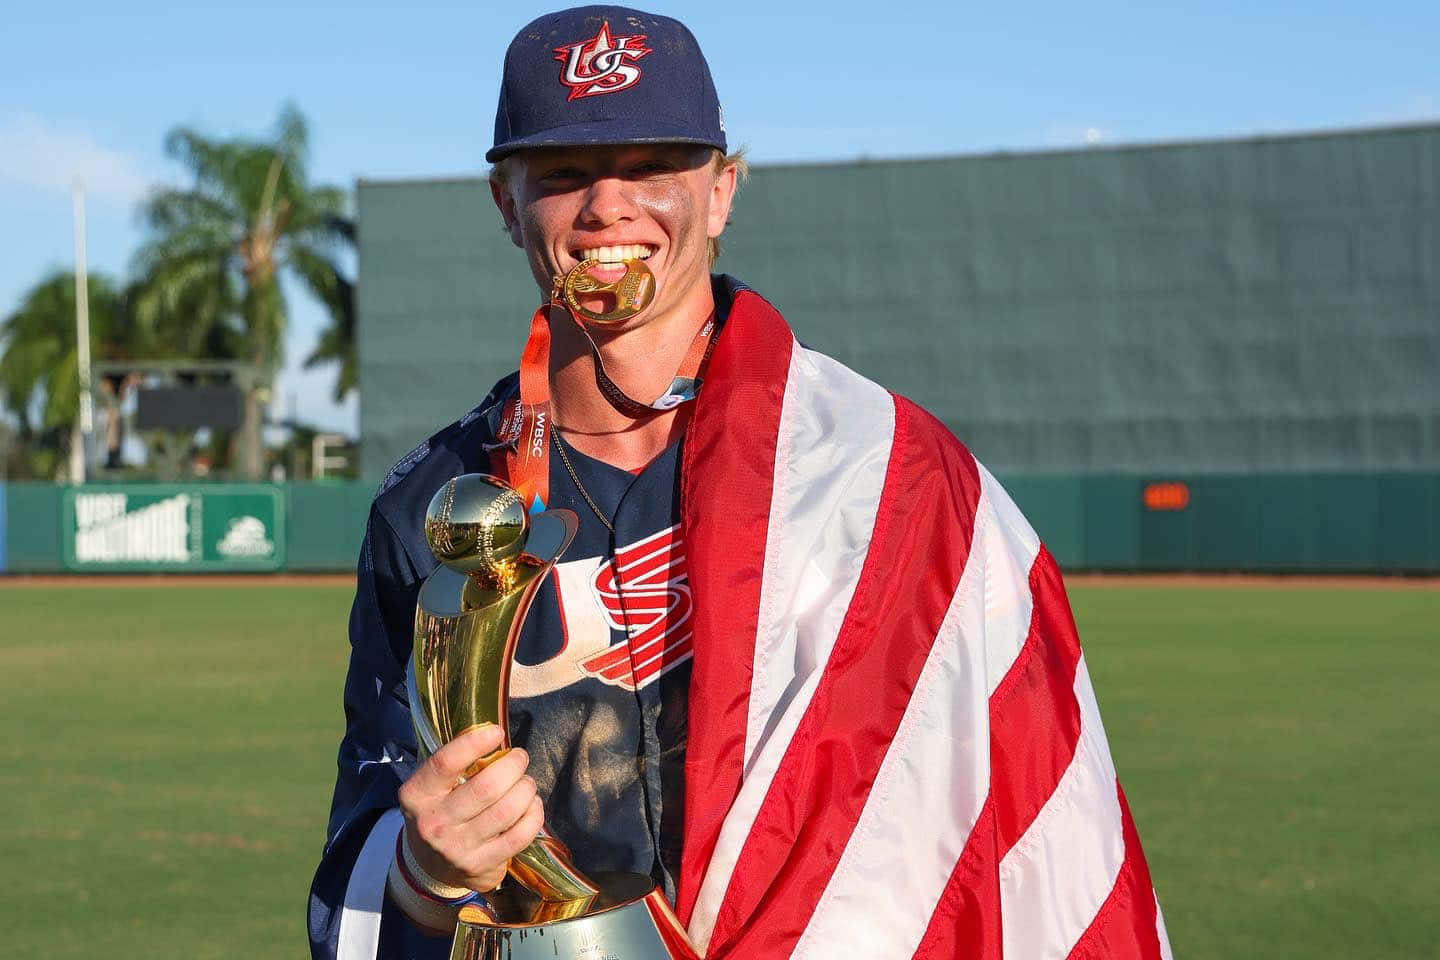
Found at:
(633, 291)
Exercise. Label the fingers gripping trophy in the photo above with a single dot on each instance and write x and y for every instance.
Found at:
(493, 556)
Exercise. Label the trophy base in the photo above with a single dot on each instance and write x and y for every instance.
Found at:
(628, 920)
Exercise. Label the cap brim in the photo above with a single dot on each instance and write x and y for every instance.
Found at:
(604, 133)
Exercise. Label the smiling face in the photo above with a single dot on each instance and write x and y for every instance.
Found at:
(661, 203)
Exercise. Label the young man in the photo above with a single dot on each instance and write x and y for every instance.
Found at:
(805, 663)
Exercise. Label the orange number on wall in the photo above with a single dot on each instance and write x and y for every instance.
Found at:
(1166, 496)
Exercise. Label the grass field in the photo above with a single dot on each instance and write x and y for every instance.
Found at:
(171, 752)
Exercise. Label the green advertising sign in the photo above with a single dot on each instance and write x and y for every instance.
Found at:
(174, 528)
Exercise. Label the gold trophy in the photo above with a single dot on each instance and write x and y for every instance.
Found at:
(493, 556)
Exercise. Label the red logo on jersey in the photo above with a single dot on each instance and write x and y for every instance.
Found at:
(654, 615)
(602, 64)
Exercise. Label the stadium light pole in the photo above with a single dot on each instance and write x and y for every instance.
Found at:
(81, 438)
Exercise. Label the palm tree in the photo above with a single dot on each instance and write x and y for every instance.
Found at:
(210, 272)
(39, 370)
(337, 341)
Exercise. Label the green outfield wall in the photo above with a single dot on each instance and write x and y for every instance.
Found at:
(1303, 522)
(1267, 305)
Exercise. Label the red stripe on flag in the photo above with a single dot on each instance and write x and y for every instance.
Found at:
(727, 480)
(1034, 730)
(926, 512)
(1124, 928)
(1034, 716)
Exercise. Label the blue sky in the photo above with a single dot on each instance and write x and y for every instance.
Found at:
(395, 90)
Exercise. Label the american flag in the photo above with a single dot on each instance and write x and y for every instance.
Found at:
(894, 747)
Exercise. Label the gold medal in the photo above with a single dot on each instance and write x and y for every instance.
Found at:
(632, 292)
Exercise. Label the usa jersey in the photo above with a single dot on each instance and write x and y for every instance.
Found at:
(601, 676)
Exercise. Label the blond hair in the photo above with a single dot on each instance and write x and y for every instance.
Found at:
(504, 171)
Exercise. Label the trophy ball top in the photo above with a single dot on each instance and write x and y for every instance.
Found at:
(476, 521)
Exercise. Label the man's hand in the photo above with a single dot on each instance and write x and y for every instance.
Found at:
(464, 834)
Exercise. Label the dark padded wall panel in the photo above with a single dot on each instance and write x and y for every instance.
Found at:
(1218, 307)
(444, 304)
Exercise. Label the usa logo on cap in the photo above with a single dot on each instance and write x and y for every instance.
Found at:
(599, 65)
(604, 49)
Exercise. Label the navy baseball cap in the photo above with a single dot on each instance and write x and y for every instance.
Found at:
(602, 76)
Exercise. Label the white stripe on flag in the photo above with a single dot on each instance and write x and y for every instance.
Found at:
(830, 463)
(1056, 877)
(927, 794)
(1008, 557)
(832, 452)
(1161, 932)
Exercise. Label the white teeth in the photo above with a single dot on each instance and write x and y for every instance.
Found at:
(616, 254)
